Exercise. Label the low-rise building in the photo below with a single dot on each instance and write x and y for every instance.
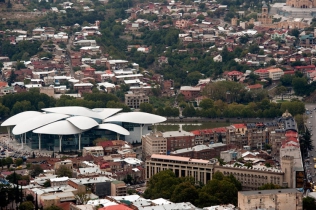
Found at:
(178, 140)
(200, 170)
(133, 100)
(205, 152)
(281, 199)
(275, 74)
(96, 151)
(118, 188)
(154, 143)
(190, 92)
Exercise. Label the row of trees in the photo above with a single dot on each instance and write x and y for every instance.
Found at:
(33, 100)
(214, 109)
(220, 190)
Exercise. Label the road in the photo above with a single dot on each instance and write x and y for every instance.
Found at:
(311, 124)
(69, 45)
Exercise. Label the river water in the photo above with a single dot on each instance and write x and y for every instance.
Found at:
(163, 127)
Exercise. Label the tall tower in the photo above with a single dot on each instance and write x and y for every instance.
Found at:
(287, 163)
(264, 10)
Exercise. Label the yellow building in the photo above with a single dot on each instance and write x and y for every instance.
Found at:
(264, 18)
(281, 199)
(301, 3)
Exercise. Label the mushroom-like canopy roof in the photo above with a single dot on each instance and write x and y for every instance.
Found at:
(14, 120)
(113, 127)
(63, 127)
(36, 122)
(136, 117)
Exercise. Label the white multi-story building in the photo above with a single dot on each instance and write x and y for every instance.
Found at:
(154, 143)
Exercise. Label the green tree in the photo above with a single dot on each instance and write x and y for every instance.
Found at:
(286, 80)
(53, 207)
(206, 103)
(8, 161)
(269, 186)
(36, 170)
(47, 183)
(161, 185)
(299, 119)
(188, 111)
(29, 197)
(184, 192)
(14, 177)
(18, 161)
(309, 203)
(26, 205)
(64, 171)
(146, 107)
(294, 32)
(300, 86)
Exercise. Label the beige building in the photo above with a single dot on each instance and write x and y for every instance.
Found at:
(67, 163)
(200, 170)
(133, 100)
(118, 188)
(252, 178)
(301, 3)
(264, 18)
(96, 151)
(154, 143)
(279, 199)
(276, 73)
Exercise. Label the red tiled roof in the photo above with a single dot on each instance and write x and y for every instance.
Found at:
(255, 86)
(235, 73)
(196, 132)
(219, 130)
(289, 72)
(3, 84)
(116, 207)
(105, 143)
(261, 71)
(303, 67)
(239, 125)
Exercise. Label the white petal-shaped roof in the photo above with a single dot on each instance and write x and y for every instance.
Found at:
(20, 118)
(80, 111)
(83, 123)
(36, 122)
(113, 127)
(136, 117)
(106, 112)
(63, 127)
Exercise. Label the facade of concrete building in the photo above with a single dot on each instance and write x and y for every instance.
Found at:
(275, 74)
(279, 199)
(230, 155)
(205, 152)
(264, 18)
(252, 178)
(154, 143)
(190, 92)
(66, 163)
(118, 188)
(262, 73)
(133, 100)
(178, 140)
(200, 170)
(96, 151)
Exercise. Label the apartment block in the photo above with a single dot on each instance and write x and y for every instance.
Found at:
(96, 151)
(278, 199)
(178, 140)
(133, 100)
(118, 188)
(200, 170)
(154, 143)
